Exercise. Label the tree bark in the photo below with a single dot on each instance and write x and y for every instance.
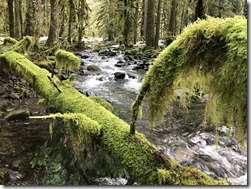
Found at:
(150, 15)
(71, 20)
(172, 21)
(11, 18)
(157, 33)
(18, 20)
(136, 17)
(199, 10)
(54, 25)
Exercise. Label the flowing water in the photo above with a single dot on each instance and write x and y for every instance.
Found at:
(182, 135)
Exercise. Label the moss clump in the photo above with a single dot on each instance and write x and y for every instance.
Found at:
(66, 61)
(9, 40)
(24, 45)
(102, 102)
(210, 55)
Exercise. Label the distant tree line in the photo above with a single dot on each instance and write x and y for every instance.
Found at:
(123, 21)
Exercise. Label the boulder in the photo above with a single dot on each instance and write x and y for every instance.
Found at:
(119, 75)
(131, 52)
(84, 56)
(111, 53)
(102, 52)
(17, 114)
(93, 68)
(120, 63)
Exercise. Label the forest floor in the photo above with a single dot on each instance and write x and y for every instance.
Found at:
(20, 137)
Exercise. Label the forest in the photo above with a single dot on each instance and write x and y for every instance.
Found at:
(123, 92)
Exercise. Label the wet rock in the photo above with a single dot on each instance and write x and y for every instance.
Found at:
(120, 64)
(102, 52)
(17, 114)
(111, 53)
(119, 75)
(131, 76)
(2, 90)
(5, 104)
(93, 68)
(14, 176)
(84, 56)
(14, 96)
(131, 52)
(139, 67)
(96, 49)
(82, 62)
(51, 110)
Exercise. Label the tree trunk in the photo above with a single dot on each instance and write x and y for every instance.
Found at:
(30, 19)
(81, 13)
(71, 19)
(141, 159)
(38, 21)
(18, 21)
(11, 18)
(136, 15)
(172, 22)
(126, 23)
(183, 19)
(54, 26)
(199, 10)
(142, 29)
(158, 25)
(150, 15)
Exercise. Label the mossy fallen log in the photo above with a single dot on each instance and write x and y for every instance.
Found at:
(141, 159)
(211, 56)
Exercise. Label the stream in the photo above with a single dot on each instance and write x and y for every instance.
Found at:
(182, 135)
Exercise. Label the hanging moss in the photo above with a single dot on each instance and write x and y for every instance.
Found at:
(210, 55)
(24, 45)
(66, 61)
(135, 153)
(9, 40)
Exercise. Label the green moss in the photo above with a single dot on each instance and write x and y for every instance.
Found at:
(9, 40)
(66, 60)
(102, 102)
(209, 55)
(134, 153)
(24, 45)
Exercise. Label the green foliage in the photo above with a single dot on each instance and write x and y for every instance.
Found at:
(9, 40)
(211, 56)
(66, 60)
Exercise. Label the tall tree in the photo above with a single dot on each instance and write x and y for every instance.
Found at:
(199, 10)
(54, 24)
(172, 21)
(18, 21)
(157, 33)
(71, 20)
(150, 15)
(11, 18)
(136, 17)
(83, 15)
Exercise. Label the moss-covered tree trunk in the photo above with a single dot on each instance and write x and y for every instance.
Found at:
(141, 159)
